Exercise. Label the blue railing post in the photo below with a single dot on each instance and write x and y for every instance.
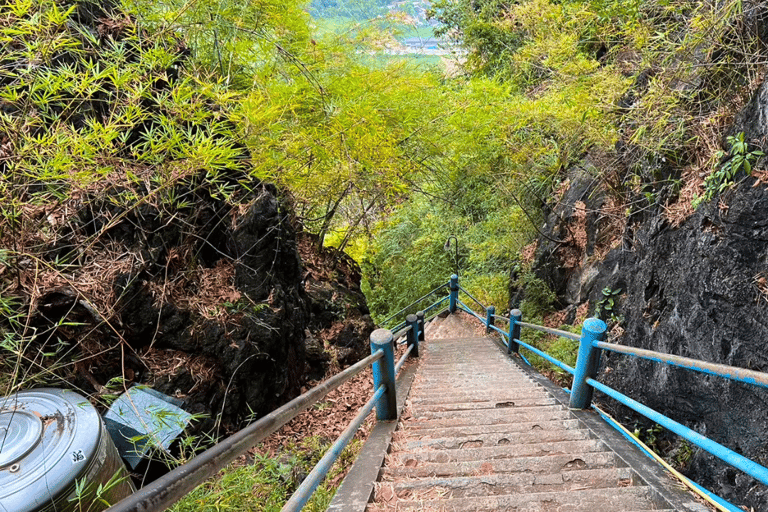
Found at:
(515, 316)
(489, 318)
(588, 360)
(420, 316)
(413, 334)
(384, 373)
(454, 299)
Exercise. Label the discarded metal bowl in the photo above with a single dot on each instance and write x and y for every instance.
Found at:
(55, 454)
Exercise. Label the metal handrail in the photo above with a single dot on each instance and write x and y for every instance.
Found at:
(402, 332)
(548, 357)
(721, 370)
(316, 476)
(436, 304)
(173, 486)
(469, 310)
(549, 330)
(473, 298)
(169, 488)
(734, 459)
(401, 362)
(503, 333)
(413, 304)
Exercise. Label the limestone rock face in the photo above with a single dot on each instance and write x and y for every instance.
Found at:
(698, 290)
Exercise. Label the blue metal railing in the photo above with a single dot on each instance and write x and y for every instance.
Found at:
(591, 344)
(411, 307)
(168, 489)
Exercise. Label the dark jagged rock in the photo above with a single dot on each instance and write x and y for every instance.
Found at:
(573, 229)
(161, 269)
(252, 350)
(699, 290)
(339, 312)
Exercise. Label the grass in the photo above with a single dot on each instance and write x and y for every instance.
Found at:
(267, 483)
(562, 349)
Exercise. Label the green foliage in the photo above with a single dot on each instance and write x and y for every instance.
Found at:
(683, 454)
(89, 496)
(562, 349)
(605, 306)
(479, 26)
(539, 298)
(268, 482)
(238, 42)
(740, 159)
(651, 437)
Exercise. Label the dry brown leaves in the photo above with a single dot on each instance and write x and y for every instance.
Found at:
(581, 313)
(169, 363)
(328, 418)
(708, 134)
(693, 185)
(205, 290)
(571, 253)
(528, 252)
(555, 320)
(611, 231)
(579, 228)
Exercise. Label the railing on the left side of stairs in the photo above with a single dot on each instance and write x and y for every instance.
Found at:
(173, 486)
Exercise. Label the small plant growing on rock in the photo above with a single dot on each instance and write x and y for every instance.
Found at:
(605, 306)
(741, 159)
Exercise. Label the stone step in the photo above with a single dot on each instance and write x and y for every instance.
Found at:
(493, 395)
(512, 483)
(620, 499)
(491, 416)
(491, 409)
(442, 361)
(499, 394)
(426, 432)
(499, 375)
(470, 450)
(546, 464)
(462, 384)
(418, 409)
(491, 439)
(441, 358)
(490, 390)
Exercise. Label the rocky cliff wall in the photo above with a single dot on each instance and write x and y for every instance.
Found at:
(136, 246)
(696, 288)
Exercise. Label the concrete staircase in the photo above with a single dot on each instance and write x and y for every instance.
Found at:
(480, 433)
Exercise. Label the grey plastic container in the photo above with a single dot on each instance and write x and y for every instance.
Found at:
(50, 441)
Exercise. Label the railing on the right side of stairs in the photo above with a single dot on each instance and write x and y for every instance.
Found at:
(591, 345)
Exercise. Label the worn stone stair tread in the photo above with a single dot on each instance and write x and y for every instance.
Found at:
(496, 396)
(587, 500)
(479, 433)
(481, 415)
(435, 386)
(424, 410)
(532, 464)
(476, 373)
(509, 418)
(509, 400)
(427, 393)
(513, 483)
(473, 430)
(470, 451)
(491, 439)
